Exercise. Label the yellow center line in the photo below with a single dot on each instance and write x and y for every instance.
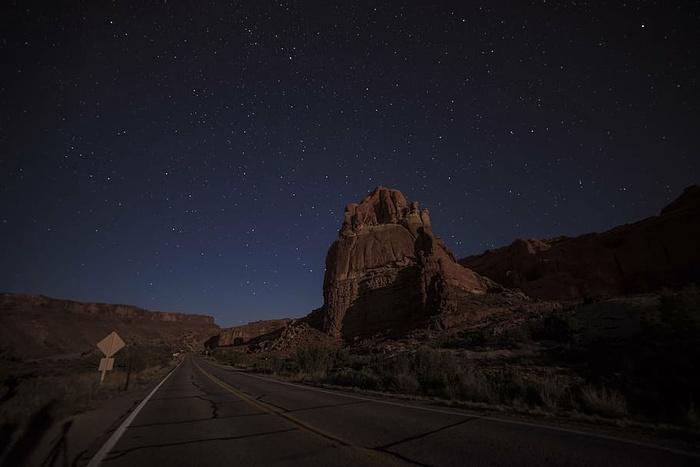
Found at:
(382, 458)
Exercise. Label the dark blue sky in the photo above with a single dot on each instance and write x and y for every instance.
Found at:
(197, 157)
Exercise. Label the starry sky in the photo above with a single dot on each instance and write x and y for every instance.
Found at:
(197, 156)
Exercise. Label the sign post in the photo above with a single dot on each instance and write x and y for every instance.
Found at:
(109, 346)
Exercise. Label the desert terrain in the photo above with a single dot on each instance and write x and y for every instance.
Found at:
(600, 330)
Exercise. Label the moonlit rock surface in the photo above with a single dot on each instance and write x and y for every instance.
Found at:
(387, 269)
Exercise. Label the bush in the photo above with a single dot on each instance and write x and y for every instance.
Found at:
(230, 356)
(436, 371)
(603, 400)
(402, 383)
(677, 314)
(271, 365)
(361, 379)
(312, 360)
(561, 326)
(474, 386)
(509, 386)
(553, 391)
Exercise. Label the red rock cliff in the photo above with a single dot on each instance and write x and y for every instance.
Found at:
(241, 334)
(655, 252)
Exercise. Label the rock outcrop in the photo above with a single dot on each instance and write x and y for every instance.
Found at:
(660, 251)
(239, 335)
(387, 270)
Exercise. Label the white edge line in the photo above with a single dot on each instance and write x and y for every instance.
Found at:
(464, 413)
(97, 459)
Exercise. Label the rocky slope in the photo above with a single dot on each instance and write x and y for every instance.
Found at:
(37, 327)
(644, 256)
(238, 335)
(388, 271)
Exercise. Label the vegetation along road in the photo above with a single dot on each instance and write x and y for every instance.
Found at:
(204, 414)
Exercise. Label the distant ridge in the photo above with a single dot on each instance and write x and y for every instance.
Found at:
(660, 251)
(35, 326)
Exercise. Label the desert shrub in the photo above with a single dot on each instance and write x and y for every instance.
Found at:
(474, 386)
(402, 383)
(361, 379)
(678, 314)
(509, 386)
(342, 358)
(64, 394)
(312, 360)
(553, 391)
(271, 365)
(237, 359)
(560, 326)
(603, 400)
(665, 357)
(436, 371)
(230, 356)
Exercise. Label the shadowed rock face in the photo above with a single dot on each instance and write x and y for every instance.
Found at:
(387, 269)
(644, 256)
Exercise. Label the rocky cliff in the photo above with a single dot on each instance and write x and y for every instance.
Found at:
(644, 256)
(34, 326)
(238, 335)
(388, 270)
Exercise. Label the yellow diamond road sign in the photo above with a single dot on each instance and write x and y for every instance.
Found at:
(111, 344)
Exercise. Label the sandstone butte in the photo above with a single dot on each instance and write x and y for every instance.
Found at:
(388, 270)
(660, 251)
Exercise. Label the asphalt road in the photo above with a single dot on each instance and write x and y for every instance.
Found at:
(206, 415)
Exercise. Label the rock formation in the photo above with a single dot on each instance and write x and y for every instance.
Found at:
(644, 256)
(387, 270)
(238, 335)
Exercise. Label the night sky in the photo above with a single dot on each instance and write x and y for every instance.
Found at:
(197, 156)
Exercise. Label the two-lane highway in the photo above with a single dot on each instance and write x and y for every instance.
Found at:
(204, 414)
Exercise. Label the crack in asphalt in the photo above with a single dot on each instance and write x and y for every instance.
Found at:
(384, 456)
(405, 459)
(118, 454)
(427, 433)
(195, 420)
(172, 398)
(213, 406)
(326, 406)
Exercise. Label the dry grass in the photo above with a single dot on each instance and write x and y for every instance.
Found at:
(603, 400)
(554, 391)
(70, 393)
